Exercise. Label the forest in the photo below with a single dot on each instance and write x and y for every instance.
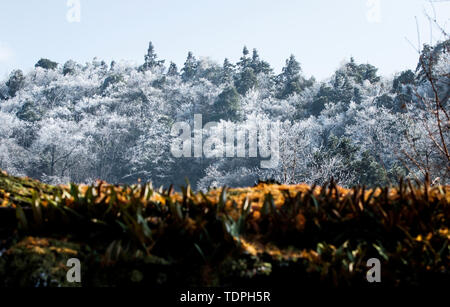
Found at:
(72, 122)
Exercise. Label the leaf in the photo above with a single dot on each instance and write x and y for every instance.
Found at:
(74, 192)
(381, 251)
(36, 207)
(175, 209)
(141, 221)
(316, 204)
(246, 207)
(21, 217)
(200, 252)
(222, 199)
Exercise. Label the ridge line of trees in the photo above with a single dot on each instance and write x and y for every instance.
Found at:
(76, 122)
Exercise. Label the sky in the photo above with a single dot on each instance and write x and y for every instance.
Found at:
(320, 33)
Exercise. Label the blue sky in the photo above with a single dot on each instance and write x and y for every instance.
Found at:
(320, 33)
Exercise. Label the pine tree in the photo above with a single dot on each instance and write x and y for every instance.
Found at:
(406, 77)
(15, 83)
(227, 105)
(255, 58)
(190, 67)
(245, 51)
(290, 79)
(246, 79)
(151, 59)
(258, 65)
(324, 96)
(46, 64)
(173, 69)
(361, 72)
(69, 68)
(227, 72)
(245, 61)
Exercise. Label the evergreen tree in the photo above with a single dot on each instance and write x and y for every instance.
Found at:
(227, 72)
(245, 51)
(343, 89)
(226, 106)
(369, 171)
(406, 77)
(29, 112)
(69, 68)
(151, 59)
(369, 72)
(16, 82)
(346, 86)
(258, 65)
(362, 72)
(209, 70)
(290, 79)
(385, 101)
(190, 67)
(46, 64)
(246, 81)
(245, 61)
(325, 95)
(403, 88)
(173, 69)
(111, 81)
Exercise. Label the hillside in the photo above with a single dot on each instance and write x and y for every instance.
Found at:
(75, 122)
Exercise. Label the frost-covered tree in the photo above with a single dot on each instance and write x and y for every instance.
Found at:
(290, 80)
(46, 64)
(190, 67)
(227, 72)
(151, 59)
(173, 69)
(15, 83)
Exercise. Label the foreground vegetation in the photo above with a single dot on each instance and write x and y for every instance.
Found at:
(265, 235)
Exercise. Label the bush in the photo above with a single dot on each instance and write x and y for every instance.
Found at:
(266, 235)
